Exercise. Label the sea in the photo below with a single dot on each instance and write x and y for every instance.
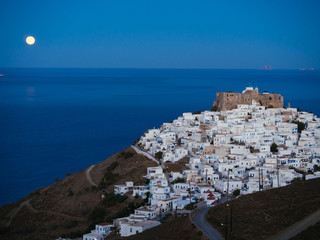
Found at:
(59, 121)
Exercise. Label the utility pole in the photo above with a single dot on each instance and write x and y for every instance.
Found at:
(228, 187)
(175, 215)
(231, 214)
(259, 179)
(206, 175)
(262, 177)
(278, 173)
(190, 192)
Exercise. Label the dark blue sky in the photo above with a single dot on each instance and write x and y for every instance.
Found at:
(161, 34)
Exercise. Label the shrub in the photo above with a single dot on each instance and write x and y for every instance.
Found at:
(301, 125)
(97, 215)
(112, 166)
(70, 224)
(112, 199)
(69, 193)
(109, 177)
(136, 141)
(126, 155)
(159, 155)
(121, 213)
(214, 109)
(190, 206)
(274, 148)
(296, 180)
(236, 192)
(179, 180)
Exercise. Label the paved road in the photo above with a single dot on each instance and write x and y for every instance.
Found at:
(145, 154)
(298, 227)
(199, 219)
(89, 177)
(165, 171)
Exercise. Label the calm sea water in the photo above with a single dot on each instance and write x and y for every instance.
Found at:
(58, 121)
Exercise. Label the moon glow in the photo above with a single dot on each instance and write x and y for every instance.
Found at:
(30, 40)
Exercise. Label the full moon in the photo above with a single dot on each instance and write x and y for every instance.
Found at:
(30, 40)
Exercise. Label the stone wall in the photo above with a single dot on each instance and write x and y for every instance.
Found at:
(230, 100)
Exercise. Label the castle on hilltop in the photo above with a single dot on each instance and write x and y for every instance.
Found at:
(230, 100)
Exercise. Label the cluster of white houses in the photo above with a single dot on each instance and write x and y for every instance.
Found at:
(163, 199)
(227, 150)
(233, 148)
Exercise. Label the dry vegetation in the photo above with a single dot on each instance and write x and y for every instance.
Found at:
(264, 214)
(69, 206)
(178, 166)
(174, 228)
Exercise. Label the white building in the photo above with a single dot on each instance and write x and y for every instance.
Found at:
(122, 189)
(100, 232)
(128, 228)
(154, 172)
(222, 185)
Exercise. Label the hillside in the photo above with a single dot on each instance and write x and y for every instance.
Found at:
(311, 233)
(69, 206)
(177, 166)
(264, 214)
(174, 228)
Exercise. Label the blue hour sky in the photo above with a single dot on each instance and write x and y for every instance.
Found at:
(161, 34)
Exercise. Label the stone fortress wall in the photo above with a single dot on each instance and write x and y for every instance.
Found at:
(230, 100)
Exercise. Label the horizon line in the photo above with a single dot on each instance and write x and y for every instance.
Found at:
(311, 69)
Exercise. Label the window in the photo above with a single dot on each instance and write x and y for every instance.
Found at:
(130, 229)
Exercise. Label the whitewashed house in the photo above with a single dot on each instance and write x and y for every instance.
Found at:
(140, 191)
(122, 189)
(100, 232)
(155, 172)
(128, 228)
(222, 185)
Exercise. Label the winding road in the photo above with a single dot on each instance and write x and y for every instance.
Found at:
(89, 176)
(198, 218)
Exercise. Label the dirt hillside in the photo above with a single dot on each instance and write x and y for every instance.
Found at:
(264, 214)
(69, 206)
